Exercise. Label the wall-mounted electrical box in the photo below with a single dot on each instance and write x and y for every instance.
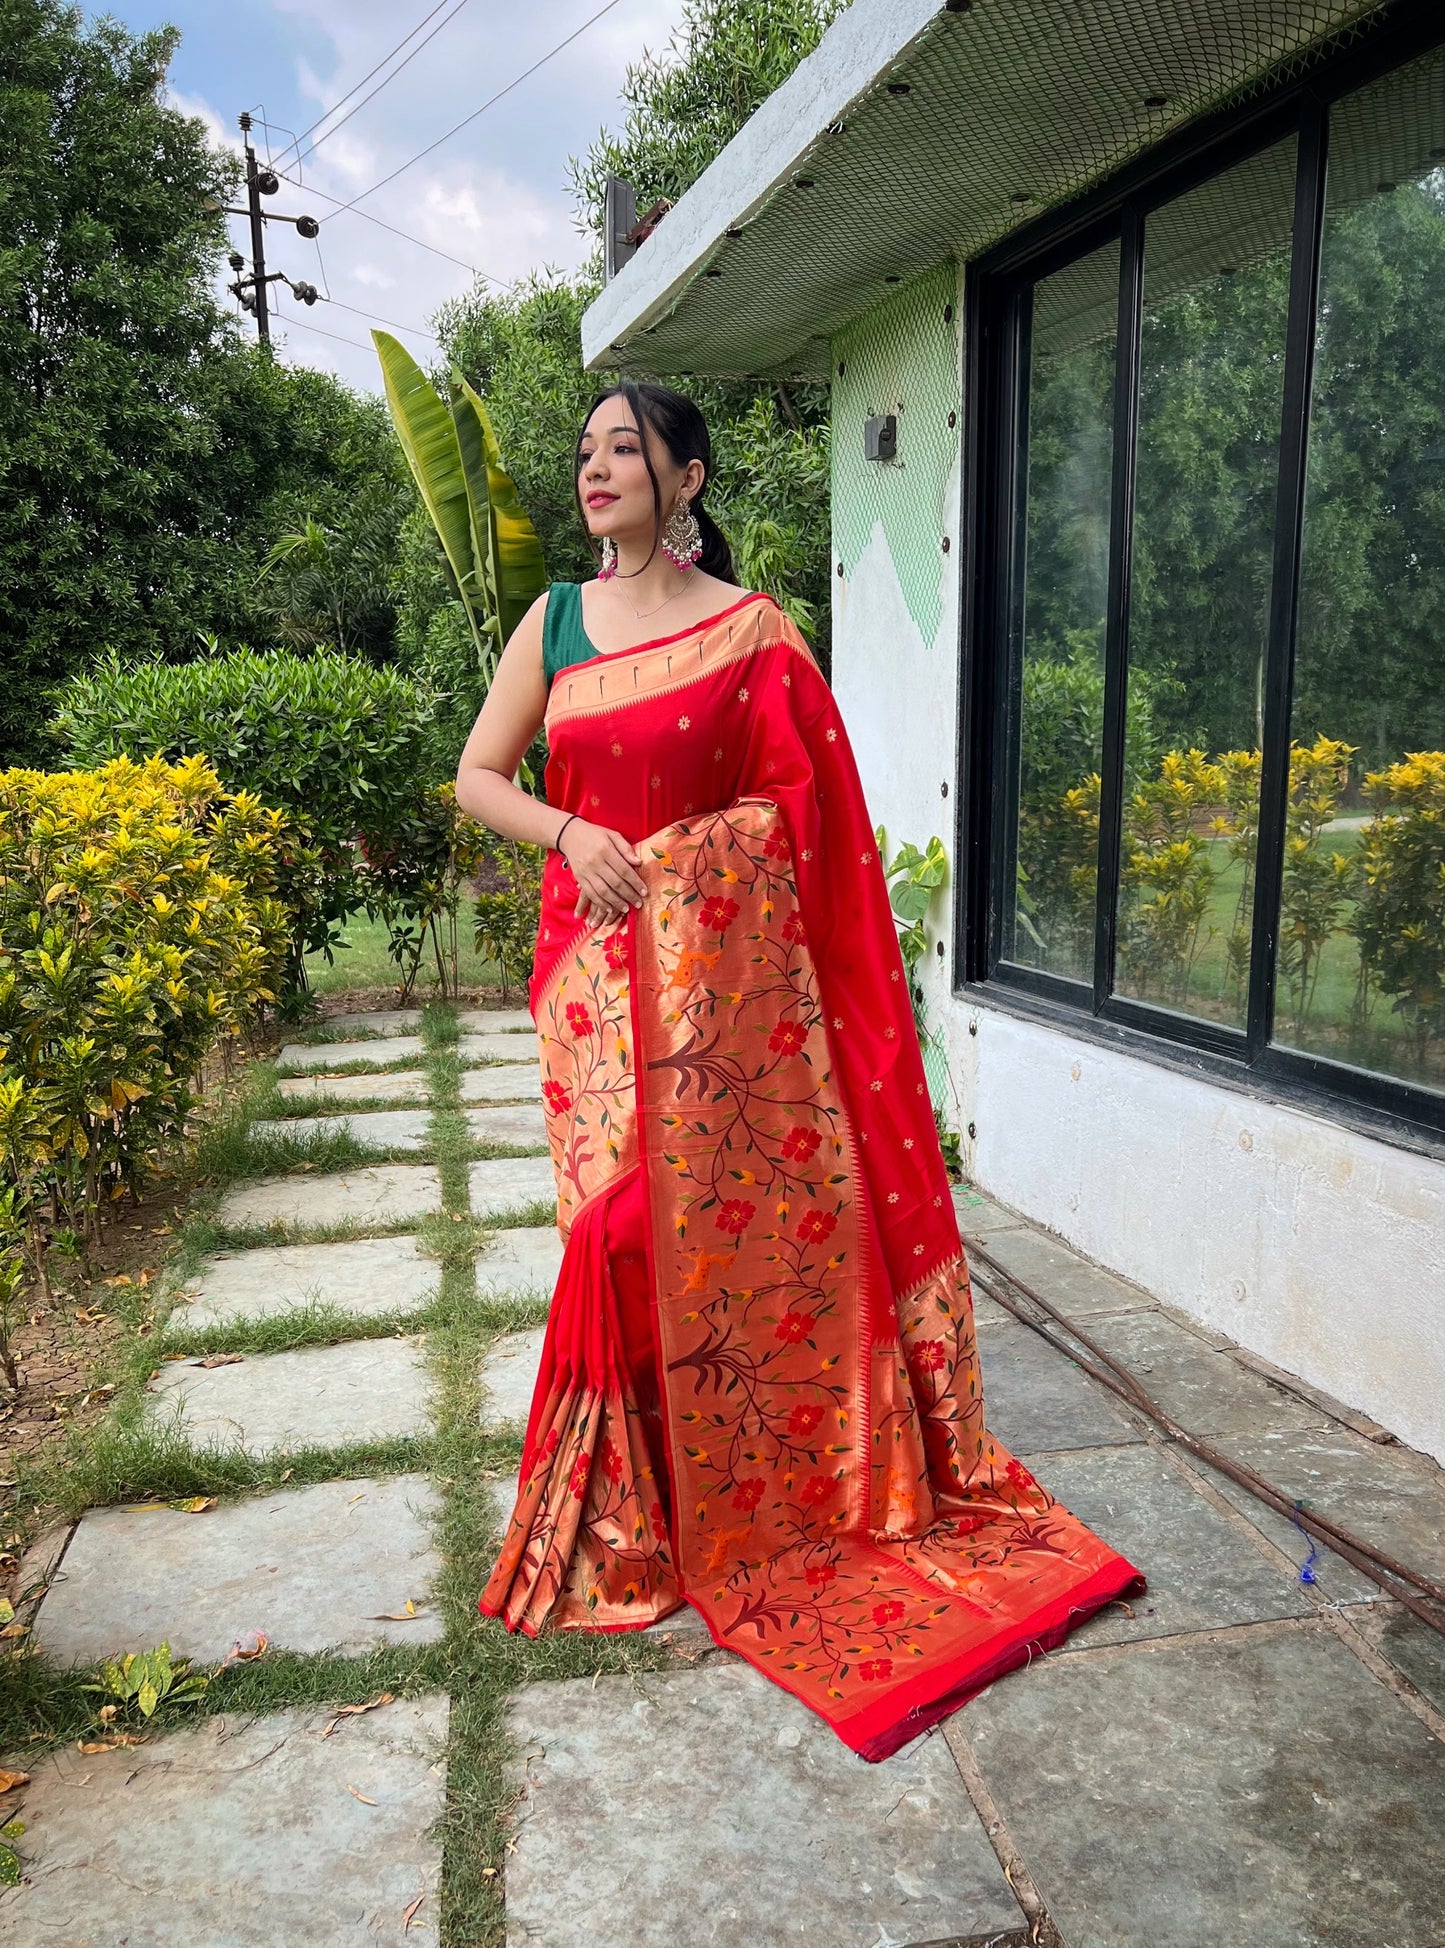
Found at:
(880, 437)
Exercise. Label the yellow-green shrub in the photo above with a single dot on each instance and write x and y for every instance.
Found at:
(140, 927)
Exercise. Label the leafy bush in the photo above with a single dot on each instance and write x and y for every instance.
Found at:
(414, 880)
(344, 747)
(142, 923)
(1399, 920)
(509, 905)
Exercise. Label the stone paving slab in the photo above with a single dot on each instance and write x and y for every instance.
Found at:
(1201, 1571)
(497, 1021)
(521, 1262)
(509, 1123)
(1036, 1401)
(712, 1807)
(503, 1184)
(385, 1022)
(1263, 1789)
(379, 1193)
(360, 1276)
(319, 1396)
(383, 1129)
(1207, 1392)
(404, 1085)
(497, 1048)
(239, 1833)
(1336, 1580)
(1062, 1276)
(1390, 1496)
(516, 1082)
(981, 1214)
(509, 1376)
(321, 1568)
(336, 1055)
(1415, 1650)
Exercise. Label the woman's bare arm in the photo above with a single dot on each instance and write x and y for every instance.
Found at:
(601, 859)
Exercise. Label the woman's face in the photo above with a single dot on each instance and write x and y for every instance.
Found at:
(612, 479)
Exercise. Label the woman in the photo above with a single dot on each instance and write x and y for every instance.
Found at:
(759, 1390)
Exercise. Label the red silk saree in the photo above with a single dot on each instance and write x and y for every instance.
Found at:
(759, 1389)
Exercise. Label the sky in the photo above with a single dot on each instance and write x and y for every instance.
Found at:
(494, 197)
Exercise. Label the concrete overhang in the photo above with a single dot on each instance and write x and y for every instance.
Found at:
(916, 130)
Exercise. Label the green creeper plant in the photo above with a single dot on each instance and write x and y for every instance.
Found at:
(486, 535)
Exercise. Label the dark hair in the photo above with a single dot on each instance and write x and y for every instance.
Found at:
(677, 422)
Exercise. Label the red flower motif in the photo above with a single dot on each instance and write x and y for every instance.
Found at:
(775, 846)
(718, 912)
(815, 1226)
(615, 948)
(793, 1328)
(820, 1574)
(556, 1096)
(804, 1418)
(928, 1356)
(580, 1470)
(969, 1525)
(874, 1669)
(1019, 1475)
(788, 1037)
(793, 929)
(749, 1494)
(579, 1020)
(818, 1489)
(736, 1215)
(888, 1612)
(657, 1515)
(800, 1144)
(611, 1461)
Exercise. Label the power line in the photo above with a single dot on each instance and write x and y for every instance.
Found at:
(306, 324)
(490, 102)
(382, 224)
(299, 139)
(386, 82)
(419, 331)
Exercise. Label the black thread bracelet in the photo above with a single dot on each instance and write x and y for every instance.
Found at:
(557, 842)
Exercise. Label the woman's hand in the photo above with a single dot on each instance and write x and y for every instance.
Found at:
(602, 863)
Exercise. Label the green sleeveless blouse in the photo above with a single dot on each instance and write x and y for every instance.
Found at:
(564, 640)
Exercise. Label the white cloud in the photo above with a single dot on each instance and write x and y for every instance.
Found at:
(494, 196)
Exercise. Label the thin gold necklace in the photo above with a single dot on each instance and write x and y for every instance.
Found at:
(641, 615)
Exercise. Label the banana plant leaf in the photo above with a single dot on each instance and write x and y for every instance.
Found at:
(518, 565)
(428, 438)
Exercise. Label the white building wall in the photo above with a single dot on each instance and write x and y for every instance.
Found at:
(1320, 1248)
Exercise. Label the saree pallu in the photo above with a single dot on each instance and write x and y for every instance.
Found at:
(759, 1390)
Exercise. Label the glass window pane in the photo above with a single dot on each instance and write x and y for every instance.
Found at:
(1060, 594)
(1216, 305)
(1362, 931)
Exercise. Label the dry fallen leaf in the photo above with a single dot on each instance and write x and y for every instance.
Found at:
(121, 1278)
(361, 1796)
(408, 1615)
(111, 1744)
(411, 1913)
(355, 1711)
(10, 1780)
(15, 1630)
(252, 1644)
(221, 1359)
(194, 1504)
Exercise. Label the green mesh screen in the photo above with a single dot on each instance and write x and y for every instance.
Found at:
(902, 358)
(1013, 107)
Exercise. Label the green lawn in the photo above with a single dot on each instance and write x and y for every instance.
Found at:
(362, 960)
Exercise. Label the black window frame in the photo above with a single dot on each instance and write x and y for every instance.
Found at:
(994, 349)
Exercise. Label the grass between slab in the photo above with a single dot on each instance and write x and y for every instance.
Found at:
(133, 1456)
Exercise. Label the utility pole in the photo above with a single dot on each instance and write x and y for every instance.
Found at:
(252, 291)
(258, 233)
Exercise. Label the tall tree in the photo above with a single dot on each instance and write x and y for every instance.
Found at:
(148, 457)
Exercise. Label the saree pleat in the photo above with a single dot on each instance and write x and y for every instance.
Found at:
(760, 1387)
